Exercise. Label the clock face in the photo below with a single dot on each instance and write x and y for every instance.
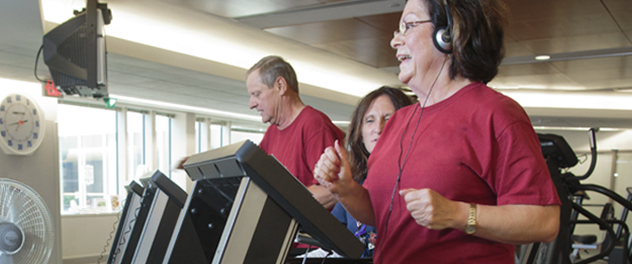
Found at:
(21, 125)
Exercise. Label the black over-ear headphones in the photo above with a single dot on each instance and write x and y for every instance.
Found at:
(442, 37)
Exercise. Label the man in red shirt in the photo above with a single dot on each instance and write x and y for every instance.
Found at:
(298, 133)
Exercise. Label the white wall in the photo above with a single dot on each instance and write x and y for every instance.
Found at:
(40, 170)
(86, 236)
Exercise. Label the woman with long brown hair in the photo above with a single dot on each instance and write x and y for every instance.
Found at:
(367, 122)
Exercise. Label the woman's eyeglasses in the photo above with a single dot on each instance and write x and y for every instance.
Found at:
(405, 27)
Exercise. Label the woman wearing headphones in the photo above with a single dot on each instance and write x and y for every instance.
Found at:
(458, 177)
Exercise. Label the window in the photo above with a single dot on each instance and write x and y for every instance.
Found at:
(222, 135)
(217, 136)
(135, 146)
(163, 144)
(198, 136)
(240, 134)
(89, 155)
(103, 150)
(88, 160)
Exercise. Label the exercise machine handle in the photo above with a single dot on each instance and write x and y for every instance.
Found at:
(593, 153)
(602, 225)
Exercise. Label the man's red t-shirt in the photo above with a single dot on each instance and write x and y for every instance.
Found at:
(299, 146)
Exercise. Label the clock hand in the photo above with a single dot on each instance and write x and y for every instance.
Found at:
(18, 123)
(21, 122)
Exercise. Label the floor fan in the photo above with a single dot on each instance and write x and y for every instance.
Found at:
(26, 230)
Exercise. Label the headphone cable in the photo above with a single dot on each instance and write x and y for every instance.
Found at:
(400, 163)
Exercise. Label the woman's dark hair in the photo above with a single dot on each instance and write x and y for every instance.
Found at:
(357, 153)
(477, 36)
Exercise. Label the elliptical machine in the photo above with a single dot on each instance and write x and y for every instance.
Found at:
(559, 157)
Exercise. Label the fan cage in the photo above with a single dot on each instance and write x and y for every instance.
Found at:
(22, 206)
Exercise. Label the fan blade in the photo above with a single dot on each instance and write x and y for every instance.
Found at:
(6, 258)
(11, 198)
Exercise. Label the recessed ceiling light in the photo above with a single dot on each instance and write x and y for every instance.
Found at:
(542, 57)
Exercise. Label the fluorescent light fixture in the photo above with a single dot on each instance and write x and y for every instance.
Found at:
(567, 88)
(341, 123)
(561, 128)
(572, 100)
(533, 87)
(60, 11)
(13, 86)
(609, 129)
(507, 87)
(542, 57)
(539, 87)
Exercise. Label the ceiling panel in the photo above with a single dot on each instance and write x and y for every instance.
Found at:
(598, 73)
(614, 64)
(330, 31)
(621, 10)
(553, 27)
(19, 63)
(540, 81)
(528, 69)
(22, 58)
(328, 12)
(568, 25)
(575, 43)
(516, 49)
(373, 52)
(122, 78)
(238, 8)
(602, 79)
(364, 39)
(21, 27)
(387, 22)
(545, 9)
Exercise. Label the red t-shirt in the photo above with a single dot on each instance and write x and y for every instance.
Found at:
(478, 146)
(299, 146)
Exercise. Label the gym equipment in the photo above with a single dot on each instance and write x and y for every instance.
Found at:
(559, 156)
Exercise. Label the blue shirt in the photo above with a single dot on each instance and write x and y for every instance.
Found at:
(365, 233)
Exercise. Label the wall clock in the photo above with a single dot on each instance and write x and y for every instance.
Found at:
(21, 125)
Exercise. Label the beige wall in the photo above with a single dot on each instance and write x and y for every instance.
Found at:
(85, 237)
(40, 170)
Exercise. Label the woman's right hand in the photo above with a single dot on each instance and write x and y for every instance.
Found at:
(332, 170)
